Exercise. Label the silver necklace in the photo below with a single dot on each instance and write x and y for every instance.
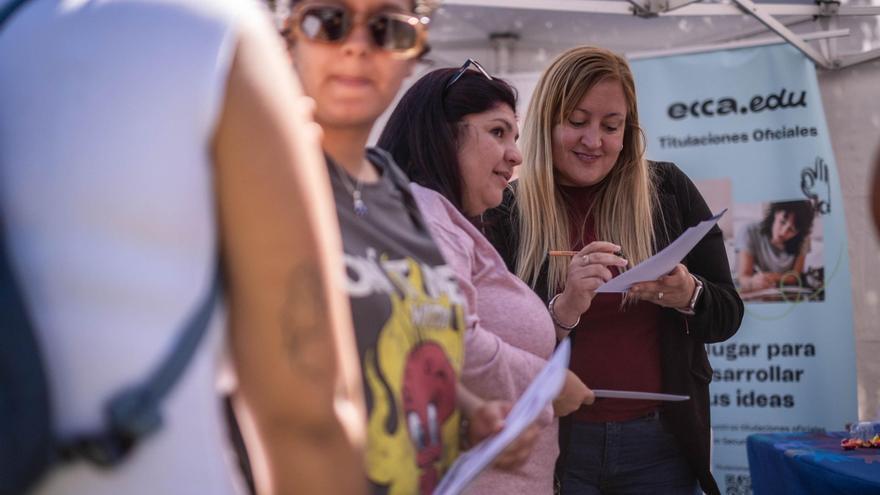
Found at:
(357, 200)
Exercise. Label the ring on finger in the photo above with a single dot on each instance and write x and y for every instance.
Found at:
(660, 296)
(585, 260)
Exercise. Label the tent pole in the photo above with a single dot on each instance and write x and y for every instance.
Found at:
(751, 33)
(733, 45)
(689, 9)
(825, 10)
(768, 20)
(858, 58)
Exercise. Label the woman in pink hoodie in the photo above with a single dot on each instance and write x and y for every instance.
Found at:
(454, 133)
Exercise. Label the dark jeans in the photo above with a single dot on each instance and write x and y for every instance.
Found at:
(628, 457)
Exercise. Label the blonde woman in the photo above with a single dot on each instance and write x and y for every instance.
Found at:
(586, 186)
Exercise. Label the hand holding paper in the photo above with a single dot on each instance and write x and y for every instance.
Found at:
(663, 262)
(488, 419)
(673, 290)
(540, 392)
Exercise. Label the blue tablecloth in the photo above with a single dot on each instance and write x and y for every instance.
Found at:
(793, 463)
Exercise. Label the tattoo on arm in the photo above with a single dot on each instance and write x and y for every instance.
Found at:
(305, 322)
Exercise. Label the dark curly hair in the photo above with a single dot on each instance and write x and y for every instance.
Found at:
(803, 212)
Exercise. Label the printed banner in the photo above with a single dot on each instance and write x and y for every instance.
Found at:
(748, 128)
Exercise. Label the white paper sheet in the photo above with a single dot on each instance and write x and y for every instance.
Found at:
(627, 394)
(663, 262)
(539, 393)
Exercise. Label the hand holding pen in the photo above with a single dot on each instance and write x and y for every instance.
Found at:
(587, 270)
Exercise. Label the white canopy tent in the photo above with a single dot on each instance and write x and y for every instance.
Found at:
(655, 27)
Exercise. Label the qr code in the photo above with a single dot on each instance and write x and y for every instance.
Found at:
(738, 484)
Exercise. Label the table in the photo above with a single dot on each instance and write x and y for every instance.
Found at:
(794, 463)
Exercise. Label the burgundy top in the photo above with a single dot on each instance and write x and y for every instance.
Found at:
(614, 347)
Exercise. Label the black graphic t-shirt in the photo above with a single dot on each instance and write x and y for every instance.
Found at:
(409, 321)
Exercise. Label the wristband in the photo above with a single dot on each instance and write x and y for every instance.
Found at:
(556, 320)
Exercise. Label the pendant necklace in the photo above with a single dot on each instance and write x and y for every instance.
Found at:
(353, 186)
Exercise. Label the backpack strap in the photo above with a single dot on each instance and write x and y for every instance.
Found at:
(9, 9)
(26, 439)
(133, 413)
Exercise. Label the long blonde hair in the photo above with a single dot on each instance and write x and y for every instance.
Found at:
(625, 200)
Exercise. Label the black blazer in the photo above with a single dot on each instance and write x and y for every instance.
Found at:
(719, 311)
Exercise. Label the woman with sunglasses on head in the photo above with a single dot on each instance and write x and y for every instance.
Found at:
(454, 133)
(586, 186)
(352, 57)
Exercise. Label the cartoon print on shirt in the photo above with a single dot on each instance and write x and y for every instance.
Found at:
(428, 401)
(411, 374)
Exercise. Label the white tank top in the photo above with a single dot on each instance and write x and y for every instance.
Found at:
(107, 110)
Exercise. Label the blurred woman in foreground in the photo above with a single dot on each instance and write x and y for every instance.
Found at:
(352, 57)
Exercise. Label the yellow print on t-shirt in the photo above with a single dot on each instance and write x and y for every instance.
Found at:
(412, 374)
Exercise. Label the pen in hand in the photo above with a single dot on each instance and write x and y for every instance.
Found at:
(619, 254)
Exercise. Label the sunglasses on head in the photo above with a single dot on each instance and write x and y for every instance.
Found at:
(467, 64)
(401, 34)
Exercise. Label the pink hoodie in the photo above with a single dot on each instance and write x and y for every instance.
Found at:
(510, 336)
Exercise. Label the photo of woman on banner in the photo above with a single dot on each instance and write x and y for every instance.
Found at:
(771, 254)
(585, 185)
